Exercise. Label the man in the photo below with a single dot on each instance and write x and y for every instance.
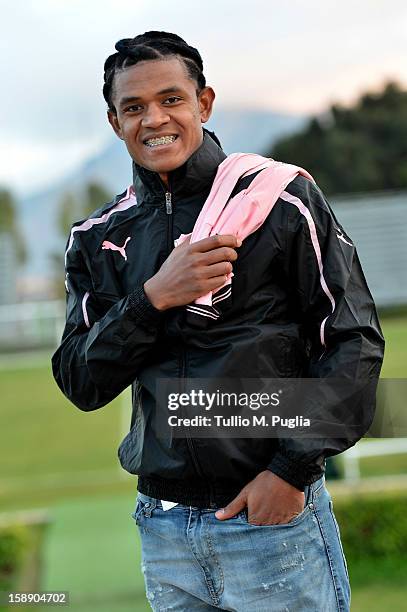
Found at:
(238, 523)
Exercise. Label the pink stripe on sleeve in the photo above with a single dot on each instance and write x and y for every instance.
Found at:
(126, 202)
(84, 311)
(314, 239)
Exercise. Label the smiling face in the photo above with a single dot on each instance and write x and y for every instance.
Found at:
(159, 114)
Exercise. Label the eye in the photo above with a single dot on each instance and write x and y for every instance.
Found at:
(172, 99)
(132, 109)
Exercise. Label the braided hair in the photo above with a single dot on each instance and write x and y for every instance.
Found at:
(151, 45)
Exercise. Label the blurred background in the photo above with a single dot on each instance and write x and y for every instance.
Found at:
(318, 83)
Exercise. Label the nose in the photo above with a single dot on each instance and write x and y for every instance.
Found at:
(154, 116)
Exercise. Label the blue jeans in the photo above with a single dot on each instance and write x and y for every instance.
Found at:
(192, 561)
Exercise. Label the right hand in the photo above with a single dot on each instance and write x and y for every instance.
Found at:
(192, 270)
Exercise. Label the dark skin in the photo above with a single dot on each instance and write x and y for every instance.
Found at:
(158, 98)
(192, 270)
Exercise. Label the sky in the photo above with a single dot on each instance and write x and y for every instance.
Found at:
(295, 57)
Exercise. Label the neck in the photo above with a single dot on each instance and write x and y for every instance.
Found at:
(194, 176)
(164, 177)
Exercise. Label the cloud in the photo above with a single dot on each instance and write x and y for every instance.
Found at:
(29, 165)
(295, 56)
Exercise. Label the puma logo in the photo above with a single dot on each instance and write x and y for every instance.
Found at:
(109, 245)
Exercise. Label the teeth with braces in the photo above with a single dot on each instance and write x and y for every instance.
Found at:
(154, 142)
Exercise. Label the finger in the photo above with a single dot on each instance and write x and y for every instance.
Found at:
(218, 269)
(273, 519)
(216, 255)
(235, 506)
(216, 241)
(216, 282)
(211, 284)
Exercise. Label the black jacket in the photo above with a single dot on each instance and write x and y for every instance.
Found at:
(114, 337)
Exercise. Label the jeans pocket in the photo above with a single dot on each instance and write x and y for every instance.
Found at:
(137, 511)
(294, 521)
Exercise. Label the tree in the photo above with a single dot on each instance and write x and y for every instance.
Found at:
(9, 223)
(359, 148)
(72, 208)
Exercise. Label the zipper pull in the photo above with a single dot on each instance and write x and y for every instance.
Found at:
(168, 204)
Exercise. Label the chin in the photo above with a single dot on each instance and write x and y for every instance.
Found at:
(169, 167)
(160, 169)
(166, 164)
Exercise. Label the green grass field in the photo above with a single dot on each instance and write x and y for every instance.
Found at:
(94, 552)
(395, 359)
(55, 456)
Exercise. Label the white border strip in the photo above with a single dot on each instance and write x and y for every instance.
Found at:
(222, 297)
(202, 312)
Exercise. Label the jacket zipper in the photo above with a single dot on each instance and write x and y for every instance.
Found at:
(188, 439)
(168, 208)
(168, 202)
(170, 244)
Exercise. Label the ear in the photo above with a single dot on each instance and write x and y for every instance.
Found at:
(205, 100)
(114, 122)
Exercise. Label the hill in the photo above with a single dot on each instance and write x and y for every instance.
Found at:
(237, 129)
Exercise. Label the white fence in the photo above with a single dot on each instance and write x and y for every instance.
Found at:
(373, 448)
(31, 324)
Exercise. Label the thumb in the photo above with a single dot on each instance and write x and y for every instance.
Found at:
(235, 506)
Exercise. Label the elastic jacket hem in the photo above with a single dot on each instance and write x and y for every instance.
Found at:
(198, 493)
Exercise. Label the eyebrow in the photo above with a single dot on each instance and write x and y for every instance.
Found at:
(129, 99)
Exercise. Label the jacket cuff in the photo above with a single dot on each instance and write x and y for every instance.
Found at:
(141, 309)
(294, 472)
